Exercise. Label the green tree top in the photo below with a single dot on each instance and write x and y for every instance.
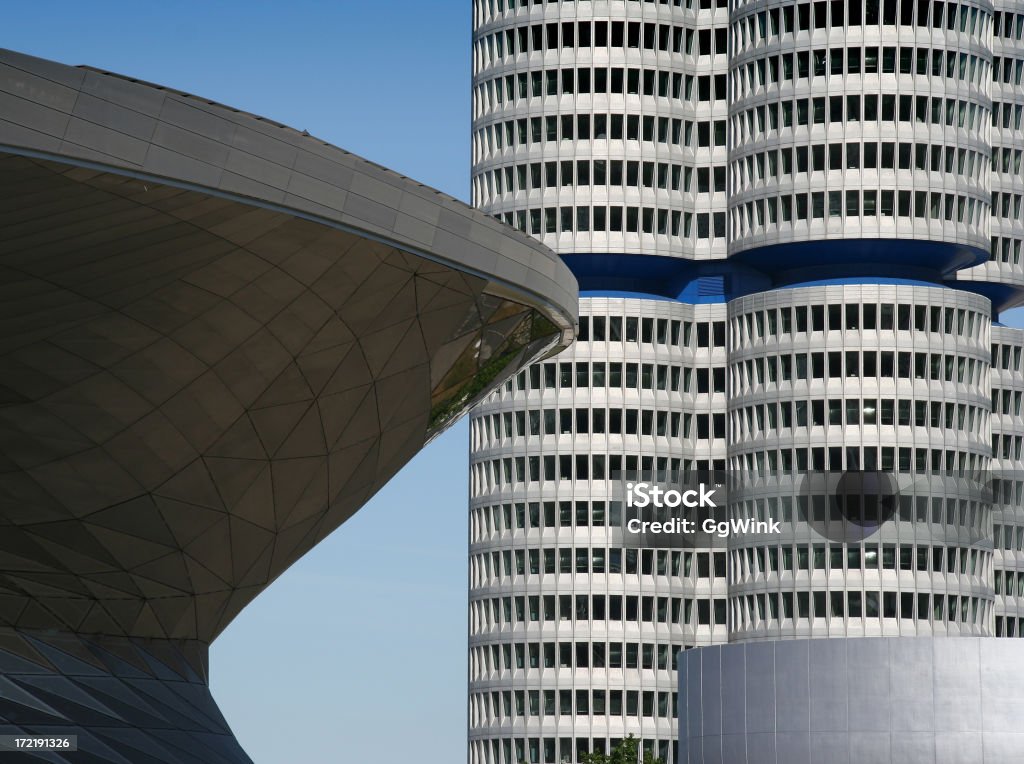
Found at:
(624, 753)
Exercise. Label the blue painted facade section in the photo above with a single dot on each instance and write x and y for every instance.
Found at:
(689, 281)
(1003, 296)
(851, 257)
(815, 263)
(626, 295)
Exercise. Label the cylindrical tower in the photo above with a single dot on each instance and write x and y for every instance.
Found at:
(819, 185)
(860, 379)
(1002, 277)
(1008, 479)
(599, 128)
(860, 124)
(572, 637)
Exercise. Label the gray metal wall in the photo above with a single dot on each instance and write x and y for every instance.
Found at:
(853, 701)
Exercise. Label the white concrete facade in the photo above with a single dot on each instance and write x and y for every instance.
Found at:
(859, 159)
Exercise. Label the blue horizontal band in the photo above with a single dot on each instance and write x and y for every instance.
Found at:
(850, 257)
(813, 263)
(675, 278)
(1003, 296)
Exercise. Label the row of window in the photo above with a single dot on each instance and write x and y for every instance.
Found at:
(760, 371)
(834, 317)
(615, 421)
(510, 89)
(794, 209)
(617, 220)
(912, 508)
(1006, 249)
(585, 173)
(1009, 626)
(776, 164)
(614, 375)
(535, 515)
(1009, 25)
(582, 608)
(803, 17)
(1009, 492)
(676, 333)
(535, 131)
(498, 7)
(700, 380)
(837, 111)
(1007, 160)
(567, 35)
(601, 376)
(491, 475)
(822, 63)
(660, 331)
(963, 514)
(536, 750)
(1007, 205)
(772, 418)
(645, 467)
(763, 561)
(746, 563)
(493, 48)
(631, 562)
(579, 608)
(869, 458)
(1009, 583)
(747, 124)
(1007, 446)
(1008, 70)
(1006, 357)
(858, 364)
(755, 610)
(631, 609)
(1008, 116)
(1009, 538)
(510, 472)
(886, 107)
(767, 418)
(556, 703)
(822, 15)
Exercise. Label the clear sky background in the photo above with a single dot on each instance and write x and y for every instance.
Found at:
(356, 654)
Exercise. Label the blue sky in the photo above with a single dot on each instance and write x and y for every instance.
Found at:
(358, 652)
